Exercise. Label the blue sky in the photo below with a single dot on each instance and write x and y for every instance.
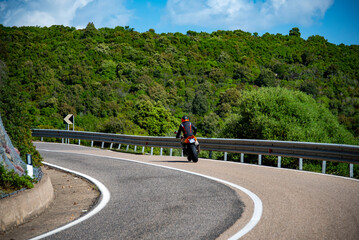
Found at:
(335, 20)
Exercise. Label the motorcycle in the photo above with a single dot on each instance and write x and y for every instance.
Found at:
(190, 148)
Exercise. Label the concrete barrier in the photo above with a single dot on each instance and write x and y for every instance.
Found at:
(16, 209)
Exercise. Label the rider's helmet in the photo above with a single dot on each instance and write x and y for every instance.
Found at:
(184, 119)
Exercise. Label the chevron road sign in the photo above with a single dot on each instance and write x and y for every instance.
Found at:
(69, 119)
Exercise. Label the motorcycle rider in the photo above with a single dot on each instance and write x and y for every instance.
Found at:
(188, 129)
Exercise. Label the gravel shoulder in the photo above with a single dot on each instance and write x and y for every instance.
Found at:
(74, 197)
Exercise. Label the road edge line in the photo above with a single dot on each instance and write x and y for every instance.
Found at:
(104, 199)
(258, 206)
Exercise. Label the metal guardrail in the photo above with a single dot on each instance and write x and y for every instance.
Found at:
(319, 151)
(302, 150)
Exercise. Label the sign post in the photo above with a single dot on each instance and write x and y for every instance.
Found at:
(69, 119)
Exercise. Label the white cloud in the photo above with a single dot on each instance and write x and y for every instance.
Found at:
(244, 14)
(104, 13)
(35, 18)
(63, 12)
(40, 12)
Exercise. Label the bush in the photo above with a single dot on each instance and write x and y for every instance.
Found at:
(282, 114)
(10, 181)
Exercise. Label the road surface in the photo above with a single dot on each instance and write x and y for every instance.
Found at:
(150, 202)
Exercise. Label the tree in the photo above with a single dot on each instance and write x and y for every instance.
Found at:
(211, 125)
(200, 103)
(227, 100)
(153, 117)
(294, 32)
(281, 114)
(90, 30)
(267, 78)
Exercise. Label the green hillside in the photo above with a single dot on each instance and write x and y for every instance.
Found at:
(122, 81)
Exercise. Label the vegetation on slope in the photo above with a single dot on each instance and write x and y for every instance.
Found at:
(16, 119)
(122, 81)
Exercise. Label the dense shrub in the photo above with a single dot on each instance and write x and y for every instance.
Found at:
(10, 181)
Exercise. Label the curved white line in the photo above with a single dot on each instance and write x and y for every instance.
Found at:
(258, 206)
(105, 198)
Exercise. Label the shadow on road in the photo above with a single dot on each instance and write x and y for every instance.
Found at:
(173, 161)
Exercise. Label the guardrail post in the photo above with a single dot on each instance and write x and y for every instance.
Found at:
(225, 156)
(182, 153)
(210, 155)
(135, 149)
(279, 161)
(242, 157)
(79, 142)
(143, 149)
(259, 159)
(119, 146)
(351, 170)
(300, 163)
(128, 146)
(161, 150)
(324, 166)
(151, 151)
(62, 140)
(42, 139)
(91, 143)
(103, 145)
(29, 167)
(171, 150)
(111, 145)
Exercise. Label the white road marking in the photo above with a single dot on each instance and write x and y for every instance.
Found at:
(105, 198)
(258, 206)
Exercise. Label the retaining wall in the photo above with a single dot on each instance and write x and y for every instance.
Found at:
(18, 208)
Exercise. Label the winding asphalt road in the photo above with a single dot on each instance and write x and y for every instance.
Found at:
(149, 202)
